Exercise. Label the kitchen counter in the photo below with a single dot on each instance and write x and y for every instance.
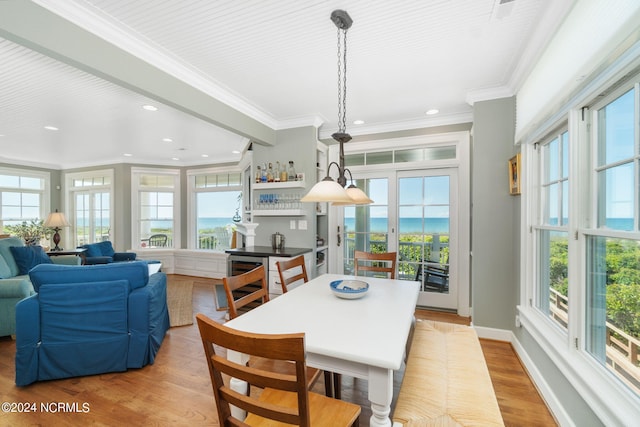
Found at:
(267, 251)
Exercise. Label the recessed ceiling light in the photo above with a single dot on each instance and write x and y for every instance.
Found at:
(127, 154)
(432, 111)
(358, 122)
(51, 128)
(150, 108)
(175, 158)
(204, 155)
(167, 139)
(235, 152)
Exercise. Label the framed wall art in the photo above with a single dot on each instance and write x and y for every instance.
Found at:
(514, 175)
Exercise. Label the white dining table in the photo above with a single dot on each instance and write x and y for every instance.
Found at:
(363, 338)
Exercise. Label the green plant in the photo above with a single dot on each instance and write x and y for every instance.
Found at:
(30, 231)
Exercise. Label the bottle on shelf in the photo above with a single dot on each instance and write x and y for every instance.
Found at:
(291, 172)
(263, 178)
(258, 175)
(276, 173)
(283, 173)
(270, 173)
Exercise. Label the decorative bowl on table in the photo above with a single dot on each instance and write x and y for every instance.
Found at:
(349, 289)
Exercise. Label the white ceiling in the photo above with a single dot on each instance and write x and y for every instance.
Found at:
(274, 61)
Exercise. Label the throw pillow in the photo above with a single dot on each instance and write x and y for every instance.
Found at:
(28, 257)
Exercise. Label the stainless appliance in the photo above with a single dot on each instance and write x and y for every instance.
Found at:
(277, 241)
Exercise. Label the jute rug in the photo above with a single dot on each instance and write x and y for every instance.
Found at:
(180, 302)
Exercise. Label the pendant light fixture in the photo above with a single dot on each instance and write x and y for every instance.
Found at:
(329, 190)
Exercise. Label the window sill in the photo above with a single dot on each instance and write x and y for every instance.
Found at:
(611, 401)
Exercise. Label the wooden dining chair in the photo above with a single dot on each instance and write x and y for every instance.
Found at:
(380, 263)
(292, 271)
(244, 290)
(285, 398)
(250, 288)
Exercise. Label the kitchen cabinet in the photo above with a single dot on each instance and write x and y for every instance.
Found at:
(275, 286)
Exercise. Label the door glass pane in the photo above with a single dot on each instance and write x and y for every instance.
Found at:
(366, 228)
(613, 306)
(423, 231)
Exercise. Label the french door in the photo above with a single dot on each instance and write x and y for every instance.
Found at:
(415, 213)
(91, 218)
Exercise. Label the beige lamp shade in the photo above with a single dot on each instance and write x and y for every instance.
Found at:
(56, 220)
(327, 190)
(357, 196)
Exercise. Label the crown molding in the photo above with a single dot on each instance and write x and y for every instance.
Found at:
(99, 24)
(297, 122)
(488, 94)
(420, 123)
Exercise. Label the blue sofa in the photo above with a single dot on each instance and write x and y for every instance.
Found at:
(14, 280)
(87, 320)
(103, 253)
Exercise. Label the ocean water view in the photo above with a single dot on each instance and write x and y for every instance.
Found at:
(378, 225)
(407, 225)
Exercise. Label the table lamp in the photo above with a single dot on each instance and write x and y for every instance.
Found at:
(56, 220)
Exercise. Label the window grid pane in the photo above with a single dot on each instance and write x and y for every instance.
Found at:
(553, 245)
(612, 328)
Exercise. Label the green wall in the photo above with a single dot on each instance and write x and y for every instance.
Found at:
(494, 236)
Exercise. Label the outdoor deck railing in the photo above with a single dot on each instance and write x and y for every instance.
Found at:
(622, 348)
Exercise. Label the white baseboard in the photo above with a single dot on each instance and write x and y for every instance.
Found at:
(493, 334)
(547, 393)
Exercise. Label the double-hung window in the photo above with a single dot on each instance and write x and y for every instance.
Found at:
(215, 206)
(155, 199)
(613, 239)
(581, 301)
(22, 196)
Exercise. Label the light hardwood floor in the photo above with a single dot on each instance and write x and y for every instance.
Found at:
(176, 389)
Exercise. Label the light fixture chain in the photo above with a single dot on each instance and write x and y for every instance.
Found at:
(342, 80)
(344, 84)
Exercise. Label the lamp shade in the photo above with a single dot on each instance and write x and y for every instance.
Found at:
(357, 196)
(327, 190)
(56, 220)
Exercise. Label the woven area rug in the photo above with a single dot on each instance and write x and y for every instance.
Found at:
(180, 302)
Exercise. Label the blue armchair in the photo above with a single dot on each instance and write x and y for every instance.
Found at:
(87, 320)
(103, 253)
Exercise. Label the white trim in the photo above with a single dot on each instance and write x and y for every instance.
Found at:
(493, 333)
(404, 125)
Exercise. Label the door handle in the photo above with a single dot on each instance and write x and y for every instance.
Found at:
(339, 237)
